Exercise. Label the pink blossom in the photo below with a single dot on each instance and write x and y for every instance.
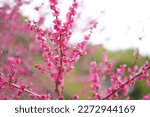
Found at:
(53, 1)
(93, 23)
(148, 81)
(1, 52)
(147, 97)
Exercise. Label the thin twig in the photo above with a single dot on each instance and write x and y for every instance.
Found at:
(26, 90)
(134, 77)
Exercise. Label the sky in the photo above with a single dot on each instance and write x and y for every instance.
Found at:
(122, 24)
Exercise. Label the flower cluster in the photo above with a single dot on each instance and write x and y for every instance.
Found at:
(95, 80)
(58, 55)
(119, 81)
(15, 54)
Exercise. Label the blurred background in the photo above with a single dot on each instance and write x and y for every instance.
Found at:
(122, 33)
